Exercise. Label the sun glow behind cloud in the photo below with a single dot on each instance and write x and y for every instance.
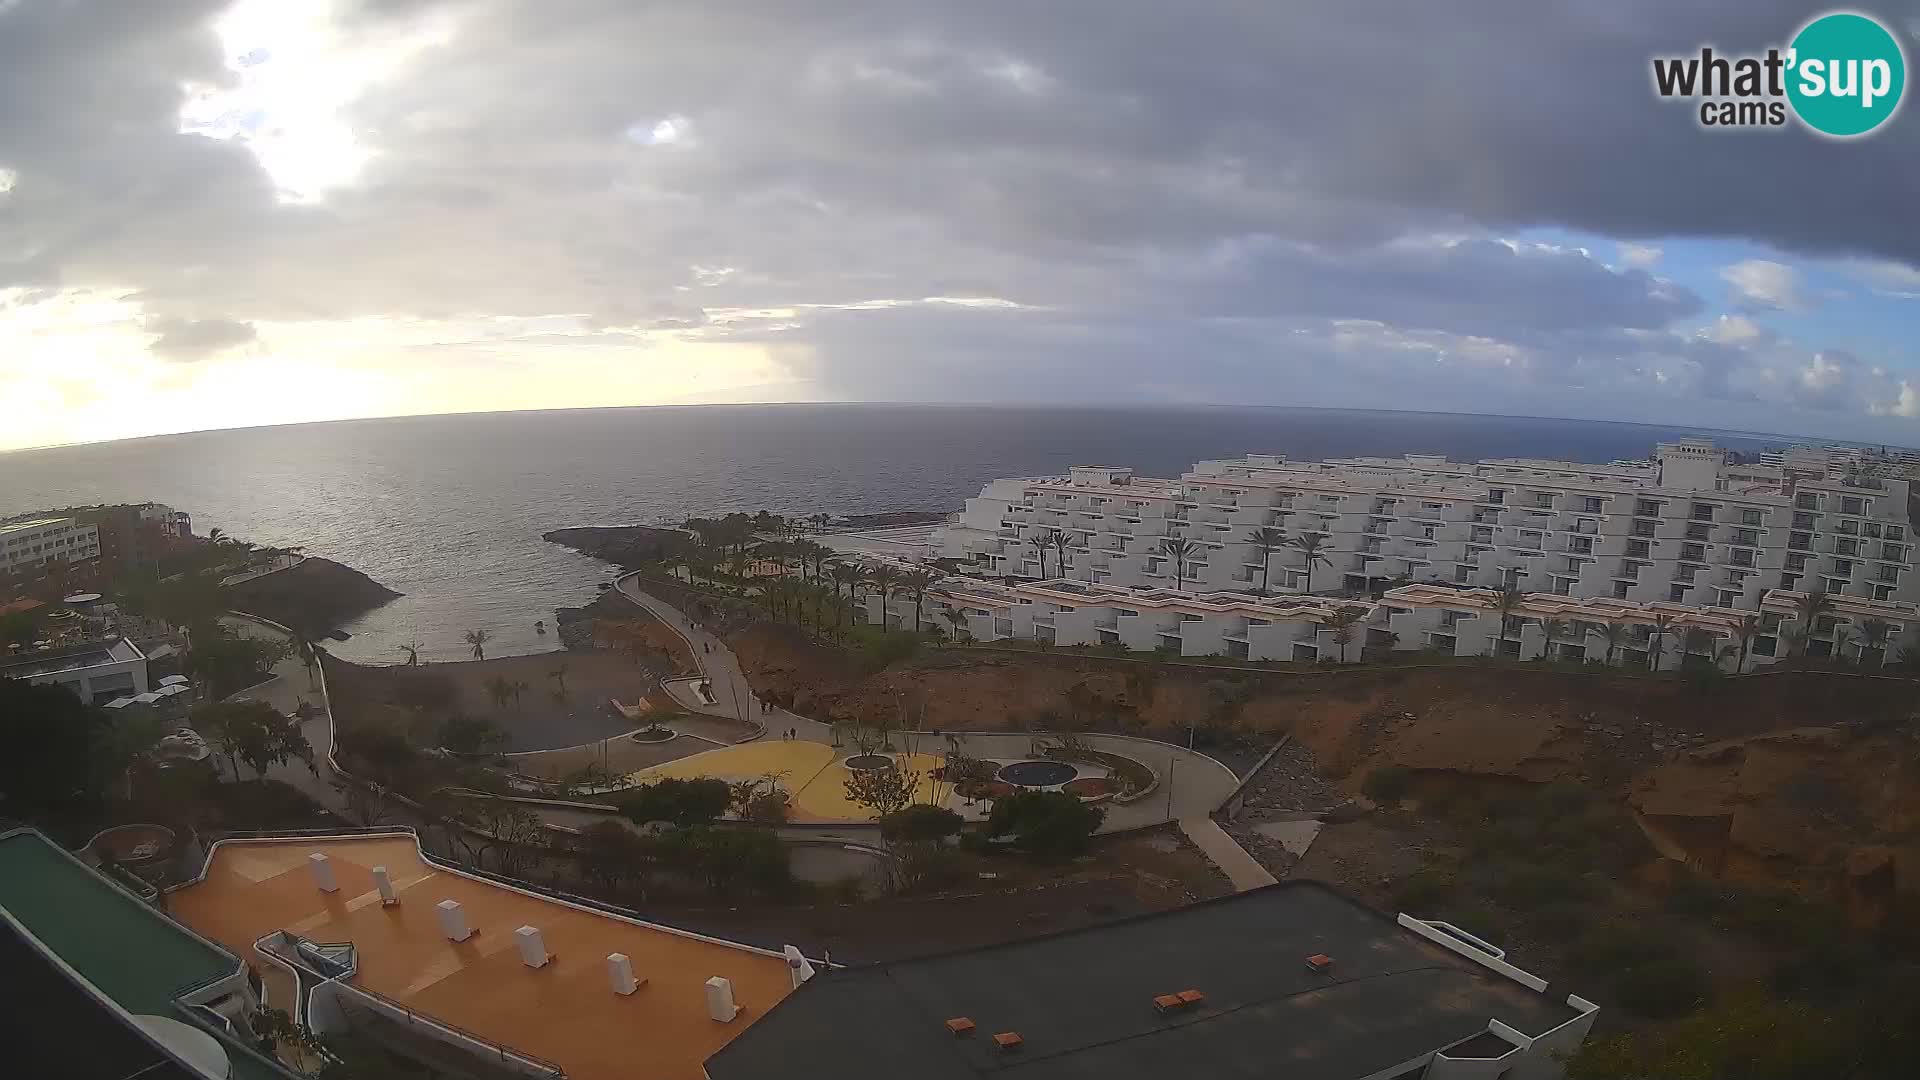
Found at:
(294, 74)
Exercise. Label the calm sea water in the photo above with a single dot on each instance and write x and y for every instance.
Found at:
(449, 510)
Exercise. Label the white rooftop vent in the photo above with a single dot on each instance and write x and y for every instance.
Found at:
(720, 1003)
(453, 920)
(620, 974)
(533, 950)
(323, 878)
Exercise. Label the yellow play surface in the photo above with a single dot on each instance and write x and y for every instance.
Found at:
(810, 772)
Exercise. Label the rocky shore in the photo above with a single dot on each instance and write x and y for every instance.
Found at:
(624, 545)
(313, 598)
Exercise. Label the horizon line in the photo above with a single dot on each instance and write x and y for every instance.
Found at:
(1035, 406)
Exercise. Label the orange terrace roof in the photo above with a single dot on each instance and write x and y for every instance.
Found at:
(564, 1012)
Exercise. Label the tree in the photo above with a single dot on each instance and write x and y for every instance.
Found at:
(58, 754)
(310, 659)
(1807, 611)
(1658, 641)
(471, 735)
(1313, 545)
(412, 649)
(1179, 549)
(225, 662)
(956, 619)
(1061, 540)
(1873, 639)
(559, 677)
(1613, 634)
(859, 579)
(1040, 542)
(1744, 631)
(884, 578)
(916, 840)
(916, 583)
(684, 803)
(500, 690)
(1507, 599)
(514, 835)
(1266, 541)
(613, 855)
(1342, 623)
(253, 732)
(1695, 641)
(478, 640)
(881, 791)
(1552, 630)
(1051, 823)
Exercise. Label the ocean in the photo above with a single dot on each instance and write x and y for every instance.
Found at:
(449, 510)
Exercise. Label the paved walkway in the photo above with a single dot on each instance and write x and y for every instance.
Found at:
(1231, 858)
(1191, 784)
(291, 686)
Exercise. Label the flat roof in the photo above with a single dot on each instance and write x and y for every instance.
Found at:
(1083, 1001)
(132, 953)
(56, 1028)
(563, 1012)
(31, 523)
(74, 658)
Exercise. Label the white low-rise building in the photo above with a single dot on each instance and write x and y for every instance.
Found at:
(1685, 528)
(97, 671)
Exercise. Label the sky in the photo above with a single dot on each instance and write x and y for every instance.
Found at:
(273, 211)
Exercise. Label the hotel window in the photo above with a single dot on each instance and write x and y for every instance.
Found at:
(1693, 552)
(1592, 503)
(1807, 500)
(1543, 500)
(1843, 567)
(1889, 573)
(1749, 517)
(1639, 549)
(1846, 547)
(1803, 521)
(1894, 532)
(1677, 594)
(1850, 504)
(1742, 558)
(1744, 537)
(1883, 592)
(1800, 540)
(1729, 599)
(1850, 528)
(1619, 590)
(1699, 532)
(1702, 512)
(1643, 528)
(1796, 563)
(1496, 495)
(1647, 508)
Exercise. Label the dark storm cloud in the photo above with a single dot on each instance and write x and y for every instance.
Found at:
(1157, 176)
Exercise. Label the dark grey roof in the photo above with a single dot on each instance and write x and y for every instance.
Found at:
(1082, 1001)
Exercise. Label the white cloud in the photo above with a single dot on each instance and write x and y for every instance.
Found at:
(1640, 256)
(1767, 284)
(1734, 330)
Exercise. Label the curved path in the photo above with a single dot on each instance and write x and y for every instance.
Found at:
(1192, 785)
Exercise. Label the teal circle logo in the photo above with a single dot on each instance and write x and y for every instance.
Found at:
(1846, 74)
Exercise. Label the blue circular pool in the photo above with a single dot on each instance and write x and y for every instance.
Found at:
(1037, 774)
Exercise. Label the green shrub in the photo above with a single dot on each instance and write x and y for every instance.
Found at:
(1045, 822)
(1387, 785)
(682, 802)
(1663, 988)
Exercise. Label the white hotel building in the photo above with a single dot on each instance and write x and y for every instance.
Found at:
(28, 546)
(1685, 540)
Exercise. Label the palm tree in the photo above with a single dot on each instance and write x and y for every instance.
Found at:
(1658, 644)
(310, 657)
(957, 619)
(1061, 540)
(1179, 549)
(412, 649)
(1806, 615)
(1611, 633)
(1342, 623)
(1266, 541)
(1554, 629)
(1843, 636)
(843, 575)
(517, 687)
(1744, 631)
(1695, 641)
(478, 639)
(884, 578)
(862, 578)
(499, 689)
(916, 583)
(1313, 545)
(1040, 542)
(559, 676)
(1873, 638)
(1507, 599)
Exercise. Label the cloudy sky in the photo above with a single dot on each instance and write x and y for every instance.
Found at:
(222, 214)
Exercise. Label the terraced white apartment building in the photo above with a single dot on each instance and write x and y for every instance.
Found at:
(1684, 539)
